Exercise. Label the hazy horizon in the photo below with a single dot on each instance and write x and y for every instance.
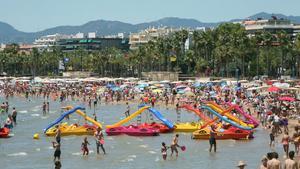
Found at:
(36, 15)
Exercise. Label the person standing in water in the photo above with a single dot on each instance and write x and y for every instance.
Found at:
(44, 108)
(48, 107)
(285, 142)
(99, 140)
(14, 116)
(127, 112)
(164, 149)
(58, 134)
(174, 145)
(6, 107)
(212, 138)
(84, 146)
(57, 151)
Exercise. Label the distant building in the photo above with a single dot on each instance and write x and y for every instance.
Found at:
(270, 25)
(91, 44)
(47, 41)
(92, 35)
(143, 37)
(2, 46)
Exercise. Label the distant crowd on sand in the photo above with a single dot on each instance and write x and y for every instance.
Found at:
(277, 116)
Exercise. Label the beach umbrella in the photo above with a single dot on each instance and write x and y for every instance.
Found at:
(157, 91)
(281, 85)
(289, 99)
(187, 89)
(116, 89)
(189, 94)
(273, 89)
(180, 92)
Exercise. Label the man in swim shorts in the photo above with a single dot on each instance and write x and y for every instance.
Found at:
(174, 145)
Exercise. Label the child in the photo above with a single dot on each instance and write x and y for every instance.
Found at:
(84, 146)
(164, 149)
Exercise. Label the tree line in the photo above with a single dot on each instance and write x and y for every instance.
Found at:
(227, 51)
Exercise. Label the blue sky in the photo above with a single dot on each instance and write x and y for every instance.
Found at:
(34, 15)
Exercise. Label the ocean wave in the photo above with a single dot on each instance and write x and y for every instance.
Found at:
(143, 146)
(152, 152)
(23, 111)
(35, 115)
(17, 154)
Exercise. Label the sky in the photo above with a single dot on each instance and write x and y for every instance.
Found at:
(36, 15)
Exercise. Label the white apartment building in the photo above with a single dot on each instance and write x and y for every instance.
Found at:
(48, 40)
(140, 38)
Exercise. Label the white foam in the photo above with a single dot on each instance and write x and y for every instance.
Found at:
(132, 156)
(130, 159)
(76, 154)
(18, 154)
(143, 146)
(157, 159)
(44, 117)
(152, 152)
(35, 110)
(35, 115)
(38, 149)
(23, 111)
(109, 138)
(128, 143)
(139, 139)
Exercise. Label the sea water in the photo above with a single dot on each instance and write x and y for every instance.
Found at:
(124, 152)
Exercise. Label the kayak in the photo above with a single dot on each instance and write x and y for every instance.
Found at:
(132, 130)
(187, 127)
(158, 126)
(223, 134)
(73, 129)
(4, 132)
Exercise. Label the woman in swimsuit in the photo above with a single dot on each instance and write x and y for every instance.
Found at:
(164, 149)
(285, 142)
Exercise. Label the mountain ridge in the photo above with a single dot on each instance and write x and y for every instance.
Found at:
(8, 34)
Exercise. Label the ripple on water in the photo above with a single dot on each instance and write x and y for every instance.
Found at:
(17, 154)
